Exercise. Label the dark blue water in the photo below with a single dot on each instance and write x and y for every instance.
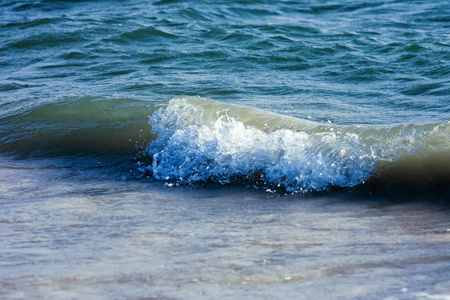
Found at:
(321, 103)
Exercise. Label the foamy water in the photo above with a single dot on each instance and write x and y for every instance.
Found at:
(200, 140)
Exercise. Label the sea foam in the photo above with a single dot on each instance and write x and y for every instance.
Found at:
(201, 140)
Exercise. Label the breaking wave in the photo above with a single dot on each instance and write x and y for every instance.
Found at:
(194, 140)
(202, 140)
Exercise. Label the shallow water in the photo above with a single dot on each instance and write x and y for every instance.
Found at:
(69, 233)
(320, 169)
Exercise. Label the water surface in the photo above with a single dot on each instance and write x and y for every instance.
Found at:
(216, 149)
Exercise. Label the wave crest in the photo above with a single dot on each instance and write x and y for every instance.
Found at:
(200, 140)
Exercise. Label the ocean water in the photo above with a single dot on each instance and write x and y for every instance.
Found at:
(224, 149)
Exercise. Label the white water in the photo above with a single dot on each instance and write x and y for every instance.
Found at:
(201, 140)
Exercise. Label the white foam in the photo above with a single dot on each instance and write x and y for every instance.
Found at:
(197, 145)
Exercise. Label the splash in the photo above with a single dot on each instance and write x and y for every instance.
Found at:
(201, 140)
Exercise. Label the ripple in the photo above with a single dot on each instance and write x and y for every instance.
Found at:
(45, 40)
(192, 14)
(147, 34)
(421, 89)
(34, 23)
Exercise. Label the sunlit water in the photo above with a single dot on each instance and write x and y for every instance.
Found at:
(320, 169)
(68, 235)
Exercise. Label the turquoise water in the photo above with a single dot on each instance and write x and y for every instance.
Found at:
(218, 149)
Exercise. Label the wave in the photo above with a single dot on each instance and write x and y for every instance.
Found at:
(74, 126)
(201, 140)
(194, 140)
